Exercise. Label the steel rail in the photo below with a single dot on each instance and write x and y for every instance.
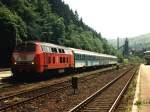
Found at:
(31, 90)
(116, 102)
(90, 98)
(30, 99)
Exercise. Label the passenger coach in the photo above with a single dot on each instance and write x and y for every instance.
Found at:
(85, 58)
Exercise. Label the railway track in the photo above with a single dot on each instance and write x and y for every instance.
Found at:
(5, 85)
(107, 98)
(6, 103)
(9, 84)
(22, 98)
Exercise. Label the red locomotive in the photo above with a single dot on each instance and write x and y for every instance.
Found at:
(38, 57)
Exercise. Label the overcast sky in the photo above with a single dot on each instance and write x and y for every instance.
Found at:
(114, 18)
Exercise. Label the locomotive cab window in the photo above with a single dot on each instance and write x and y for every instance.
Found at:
(26, 46)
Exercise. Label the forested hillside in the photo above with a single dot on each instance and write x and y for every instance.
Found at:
(48, 21)
(141, 42)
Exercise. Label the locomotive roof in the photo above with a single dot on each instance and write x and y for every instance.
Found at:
(52, 45)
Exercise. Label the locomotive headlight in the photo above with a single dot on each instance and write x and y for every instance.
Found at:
(32, 62)
(15, 63)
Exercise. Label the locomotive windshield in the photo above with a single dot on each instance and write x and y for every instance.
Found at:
(26, 46)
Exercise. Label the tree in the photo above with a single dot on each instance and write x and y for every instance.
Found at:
(126, 48)
(11, 28)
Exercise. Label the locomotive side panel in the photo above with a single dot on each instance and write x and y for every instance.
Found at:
(56, 57)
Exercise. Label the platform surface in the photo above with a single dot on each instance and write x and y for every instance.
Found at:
(4, 74)
(143, 89)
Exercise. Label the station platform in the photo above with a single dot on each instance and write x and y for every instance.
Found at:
(4, 69)
(142, 95)
(5, 73)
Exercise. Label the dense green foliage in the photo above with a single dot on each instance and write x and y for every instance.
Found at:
(136, 59)
(47, 21)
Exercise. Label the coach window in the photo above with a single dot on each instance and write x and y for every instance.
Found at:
(92, 57)
(95, 57)
(79, 56)
(88, 57)
(76, 56)
(84, 56)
